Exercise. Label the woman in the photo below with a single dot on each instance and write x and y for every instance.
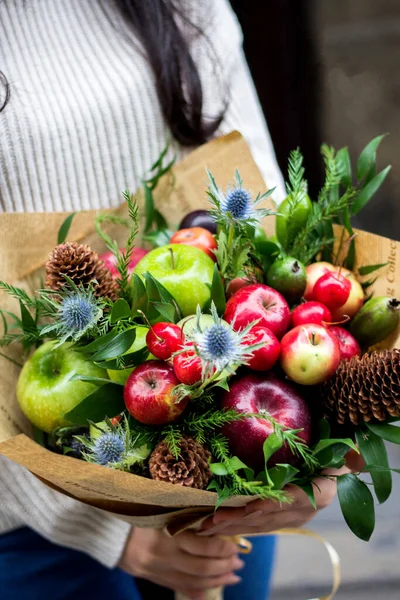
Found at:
(95, 90)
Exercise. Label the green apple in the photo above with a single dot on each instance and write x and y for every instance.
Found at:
(45, 391)
(121, 375)
(186, 272)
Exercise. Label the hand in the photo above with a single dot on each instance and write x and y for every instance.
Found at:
(264, 516)
(185, 563)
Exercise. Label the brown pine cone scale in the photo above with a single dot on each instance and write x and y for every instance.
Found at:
(190, 469)
(81, 264)
(364, 389)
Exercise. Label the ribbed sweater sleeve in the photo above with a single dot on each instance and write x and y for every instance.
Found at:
(60, 519)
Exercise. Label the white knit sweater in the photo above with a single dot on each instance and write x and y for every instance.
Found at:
(82, 124)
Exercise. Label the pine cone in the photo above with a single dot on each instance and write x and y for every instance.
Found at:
(364, 389)
(82, 265)
(191, 469)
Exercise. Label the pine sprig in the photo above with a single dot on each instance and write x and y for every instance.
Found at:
(234, 484)
(201, 425)
(19, 294)
(297, 189)
(123, 258)
(173, 438)
(294, 441)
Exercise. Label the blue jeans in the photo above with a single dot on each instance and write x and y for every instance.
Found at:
(32, 568)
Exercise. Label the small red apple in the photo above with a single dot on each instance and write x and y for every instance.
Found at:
(258, 302)
(187, 367)
(353, 303)
(311, 312)
(148, 393)
(310, 354)
(110, 261)
(264, 394)
(332, 289)
(164, 339)
(314, 272)
(198, 237)
(263, 358)
(348, 344)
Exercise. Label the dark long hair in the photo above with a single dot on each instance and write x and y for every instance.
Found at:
(177, 78)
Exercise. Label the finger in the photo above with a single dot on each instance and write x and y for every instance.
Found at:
(209, 547)
(188, 584)
(207, 567)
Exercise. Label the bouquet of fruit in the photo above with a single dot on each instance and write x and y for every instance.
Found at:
(210, 363)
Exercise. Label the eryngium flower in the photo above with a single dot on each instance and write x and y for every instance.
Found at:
(219, 346)
(108, 448)
(237, 205)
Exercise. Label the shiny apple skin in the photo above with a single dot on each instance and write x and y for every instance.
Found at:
(314, 272)
(280, 399)
(353, 304)
(198, 237)
(311, 312)
(310, 354)
(258, 302)
(348, 344)
(263, 358)
(148, 393)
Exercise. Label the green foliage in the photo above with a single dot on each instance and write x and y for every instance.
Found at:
(357, 505)
(373, 451)
(64, 229)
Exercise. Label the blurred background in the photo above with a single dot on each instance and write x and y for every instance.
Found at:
(327, 71)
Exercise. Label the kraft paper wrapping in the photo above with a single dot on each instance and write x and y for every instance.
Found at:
(25, 242)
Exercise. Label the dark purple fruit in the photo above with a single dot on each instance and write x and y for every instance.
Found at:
(199, 218)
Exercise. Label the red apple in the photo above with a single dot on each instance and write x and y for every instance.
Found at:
(148, 393)
(332, 289)
(311, 312)
(310, 354)
(269, 395)
(263, 358)
(356, 296)
(348, 344)
(198, 237)
(314, 272)
(258, 302)
(110, 261)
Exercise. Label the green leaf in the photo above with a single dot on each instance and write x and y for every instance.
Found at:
(158, 238)
(373, 451)
(167, 311)
(97, 344)
(157, 292)
(367, 157)
(235, 464)
(89, 379)
(351, 252)
(309, 490)
(282, 475)
(390, 433)
(106, 401)
(219, 469)
(218, 292)
(133, 359)
(369, 190)
(120, 310)
(160, 220)
(323, 444)
(367, 269)
(366, 284)
(139, 296)
(64, 229)
(343, 158)
(149, 207)
(271, 445)
(116, 347)
(357, 505)
(28, 322)
(324, 429)
(39, 436)
(223, 383)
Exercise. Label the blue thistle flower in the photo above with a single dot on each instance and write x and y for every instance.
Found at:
(78, 313)
(108, 448)
(237, 205)
(219, 346)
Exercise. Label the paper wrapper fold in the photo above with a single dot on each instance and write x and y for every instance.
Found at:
(25, 242)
